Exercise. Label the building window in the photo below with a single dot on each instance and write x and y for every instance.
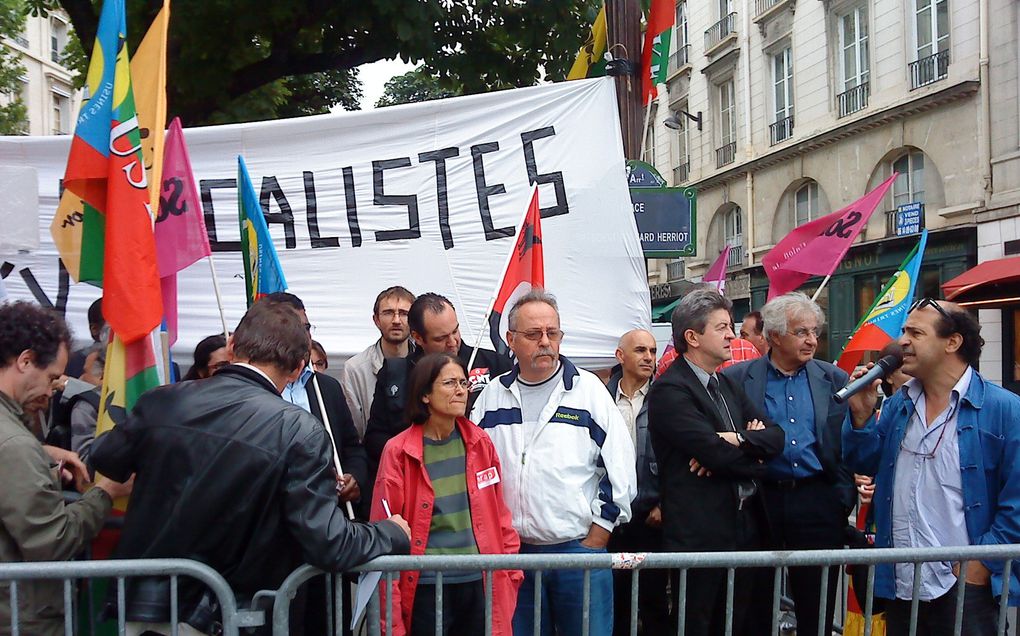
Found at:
(931, 35)
(806, 203)
(58, 38)
(61, 113)
(854, 63)
(909, 186)
(681, 56)
(734, 236)
(726, 152)
(681, 147)
(782, 85)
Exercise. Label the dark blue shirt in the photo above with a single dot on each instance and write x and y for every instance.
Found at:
(789, 404)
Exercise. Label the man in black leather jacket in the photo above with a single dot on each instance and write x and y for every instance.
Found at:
(229, 474)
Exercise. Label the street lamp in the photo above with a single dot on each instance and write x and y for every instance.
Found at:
(675, 123)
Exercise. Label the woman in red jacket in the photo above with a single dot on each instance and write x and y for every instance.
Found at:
(443, 475)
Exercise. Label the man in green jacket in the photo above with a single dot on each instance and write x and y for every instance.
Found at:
(35, 523)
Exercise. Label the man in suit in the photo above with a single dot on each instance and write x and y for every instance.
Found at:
(808, 492)
(710, 442)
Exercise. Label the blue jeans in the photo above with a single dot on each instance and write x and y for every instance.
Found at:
(563, 597)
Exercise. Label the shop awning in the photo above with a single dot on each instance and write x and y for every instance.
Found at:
(988, 285)
(664, 312)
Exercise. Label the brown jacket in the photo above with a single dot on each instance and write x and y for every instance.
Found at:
(36, 525)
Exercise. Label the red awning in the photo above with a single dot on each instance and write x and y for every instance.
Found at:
(989, 284)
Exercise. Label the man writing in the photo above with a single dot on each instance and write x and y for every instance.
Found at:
(231, 475)
(944, 453)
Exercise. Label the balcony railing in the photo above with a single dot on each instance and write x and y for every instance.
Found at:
(21, 41)
(929, 70)
(675, 271)
(781, 130)
(720, 30)
(736, 255)
(679, 58)
(853, 100)
(761, 6)
(681, 173)
(726, 154)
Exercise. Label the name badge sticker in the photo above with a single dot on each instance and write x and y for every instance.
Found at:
(487, 477)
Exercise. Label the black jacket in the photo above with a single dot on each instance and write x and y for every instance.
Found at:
(824, 379)
(699, 514)
(231, 475)
(353, 459)
(647, 496)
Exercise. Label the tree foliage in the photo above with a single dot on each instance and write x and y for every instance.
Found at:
(237, 60)
(416, 86)
(13, 114)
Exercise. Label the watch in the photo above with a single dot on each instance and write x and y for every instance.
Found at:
(740, 438)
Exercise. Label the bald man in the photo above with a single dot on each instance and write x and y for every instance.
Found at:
(629, 386)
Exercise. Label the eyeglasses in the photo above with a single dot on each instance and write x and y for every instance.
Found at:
(534, 335)
(389, 314)
(928, 302)
(803, 333)
(452, 383)
(320, 364)
(930, 454)
(309, 328)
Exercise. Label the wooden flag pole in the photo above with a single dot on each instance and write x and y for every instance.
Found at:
(820, 287)
(219, 298)
(329, 432)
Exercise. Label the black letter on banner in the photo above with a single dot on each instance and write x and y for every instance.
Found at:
(555, 178)
(285, 217)
(312, 212)
(440, 157)
(352, 207)
(63, 285)
(485, 191)
(206, 187)
(413, 230)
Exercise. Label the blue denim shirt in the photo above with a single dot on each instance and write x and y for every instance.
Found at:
(989, 446)
(788, 402)
(295, 391)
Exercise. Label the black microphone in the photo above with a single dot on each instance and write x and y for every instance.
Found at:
(885, 366)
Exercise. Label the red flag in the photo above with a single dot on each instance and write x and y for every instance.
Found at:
(716, 274)
(655, 53)
(815, 248)
(524, 271)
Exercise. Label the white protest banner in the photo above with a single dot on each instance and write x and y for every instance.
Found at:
(423, 195)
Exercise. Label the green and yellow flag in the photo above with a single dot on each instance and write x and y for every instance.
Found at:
(591, 60)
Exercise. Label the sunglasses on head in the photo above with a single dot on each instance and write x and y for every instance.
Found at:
(929, 302)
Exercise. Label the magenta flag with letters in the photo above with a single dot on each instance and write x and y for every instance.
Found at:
(716, 274)
(181, 238)
(815, 248)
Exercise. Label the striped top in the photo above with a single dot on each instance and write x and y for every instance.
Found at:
(451, 531)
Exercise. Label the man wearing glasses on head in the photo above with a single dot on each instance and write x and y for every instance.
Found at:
(568, 466)
(945, 453)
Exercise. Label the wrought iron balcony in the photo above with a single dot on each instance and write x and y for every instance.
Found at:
(681, 173)
(736, 256)
(781, 130)
(929, 70)
(726, 154)
(761, 6)
(853, 100)
(720, 30)
(675, 271)
(679, 58)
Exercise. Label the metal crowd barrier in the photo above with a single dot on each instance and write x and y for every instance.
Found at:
(683, 562)
(232, 618)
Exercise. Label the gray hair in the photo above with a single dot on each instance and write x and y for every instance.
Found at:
(692, 313)
(536, 295)
(776, 312)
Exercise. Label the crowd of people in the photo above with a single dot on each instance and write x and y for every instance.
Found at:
(259, 461)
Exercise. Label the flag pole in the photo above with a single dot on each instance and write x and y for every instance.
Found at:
(219, 298)
(329, 432)
(820, 287)
(644, 129)
(499, 283)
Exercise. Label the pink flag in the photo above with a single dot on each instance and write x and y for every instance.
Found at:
(181, 238)
(815, 248)
(717, 272)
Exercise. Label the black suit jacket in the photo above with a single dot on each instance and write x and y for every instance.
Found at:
(700, 513)
(353, 458)
(824, 379)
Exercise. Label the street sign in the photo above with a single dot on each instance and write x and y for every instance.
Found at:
(908, 218)
(666, 217)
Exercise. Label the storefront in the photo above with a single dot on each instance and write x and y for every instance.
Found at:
(867, 267)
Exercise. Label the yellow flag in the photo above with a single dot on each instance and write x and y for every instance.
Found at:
(148, 77)
(590, 62)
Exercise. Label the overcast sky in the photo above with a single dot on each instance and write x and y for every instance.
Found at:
(375, 75)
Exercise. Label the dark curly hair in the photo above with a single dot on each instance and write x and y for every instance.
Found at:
(27, 326)
(964, 323)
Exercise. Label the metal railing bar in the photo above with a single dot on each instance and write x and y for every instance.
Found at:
(915, 600)
(538, 603)
(1004, 598)
(634, 601)
(869, 601)
(823, 600)
(15, 619)
(174, 613)
(586, 604)
(681, 604)
(69, 612)
(488, 602)
(777, 582)
(439, 604)
(730, 576)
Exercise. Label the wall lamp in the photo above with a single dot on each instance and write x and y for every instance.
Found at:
(675, 123)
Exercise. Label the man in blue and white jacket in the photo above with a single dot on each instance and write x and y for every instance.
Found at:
(946, 455)
(568, 465)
